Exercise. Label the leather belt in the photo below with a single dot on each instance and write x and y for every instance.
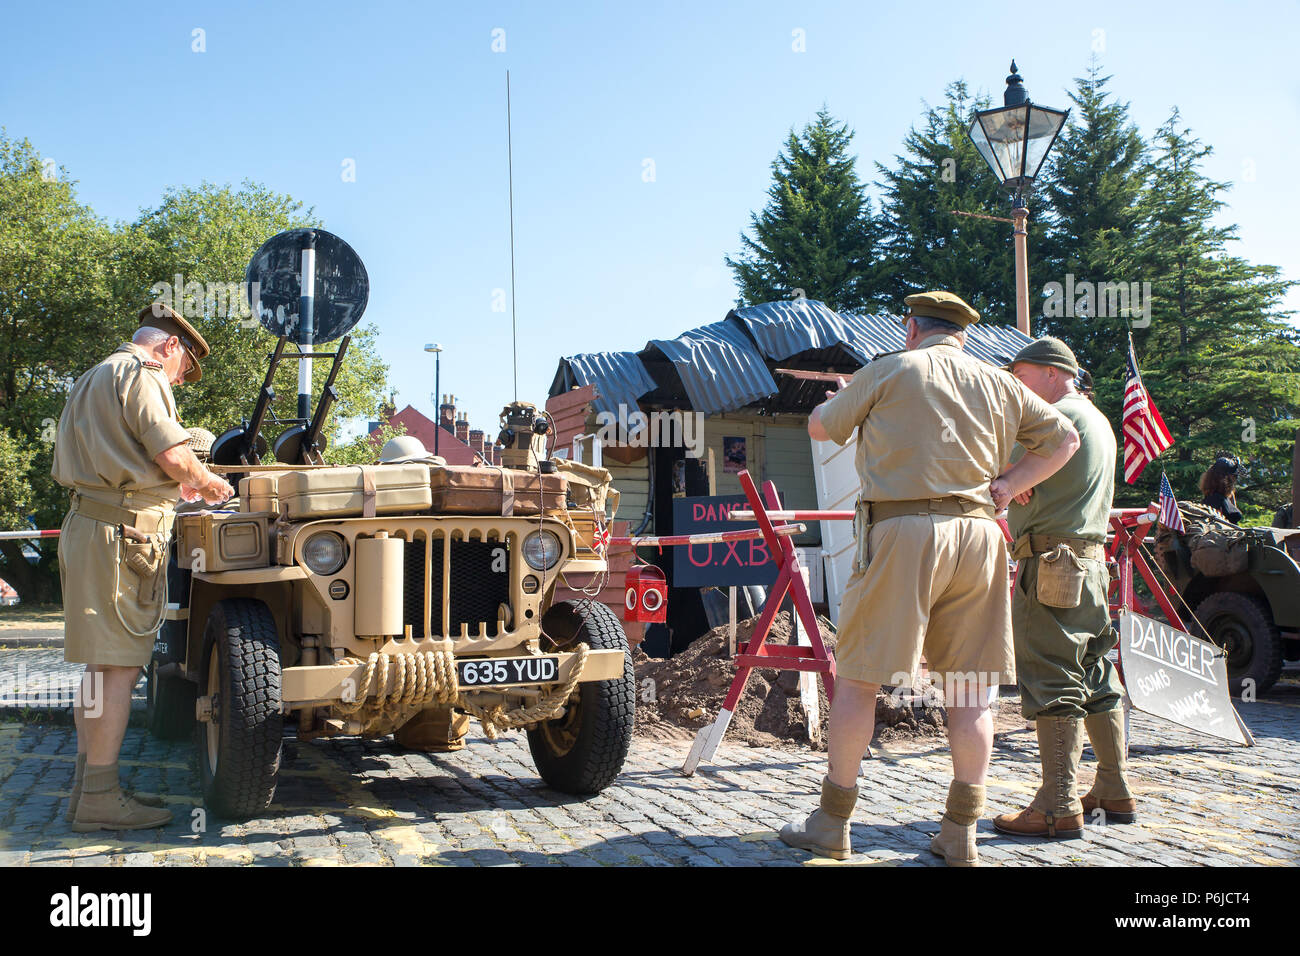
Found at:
(877, 511)
(141, 510)
(1027, 545)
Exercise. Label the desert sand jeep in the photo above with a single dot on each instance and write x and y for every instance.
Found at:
(394, 598)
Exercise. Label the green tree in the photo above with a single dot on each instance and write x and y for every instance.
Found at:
(815, 233)
(923, 244)
(57, 261)
(1218, 357)
(70, 290)
(206, 236)
(1091, 189)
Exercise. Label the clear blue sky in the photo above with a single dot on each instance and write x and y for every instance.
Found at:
(413, 92)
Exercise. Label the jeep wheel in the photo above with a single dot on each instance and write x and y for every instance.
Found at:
(583, 750)
(1243, 626)
(169, 705)
(239, 745)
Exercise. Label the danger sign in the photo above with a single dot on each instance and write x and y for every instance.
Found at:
(718, 563)
(1172, 675)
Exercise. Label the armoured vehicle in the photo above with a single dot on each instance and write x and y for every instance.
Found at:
(1243, 588)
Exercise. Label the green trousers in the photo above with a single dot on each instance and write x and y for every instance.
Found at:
(1061, 660)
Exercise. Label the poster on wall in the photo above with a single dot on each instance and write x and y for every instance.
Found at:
(734, 458)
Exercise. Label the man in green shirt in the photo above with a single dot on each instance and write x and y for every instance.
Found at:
(1060, 618)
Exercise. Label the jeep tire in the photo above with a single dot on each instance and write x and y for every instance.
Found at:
(239, 748)
(582, 751)
(1242, 625)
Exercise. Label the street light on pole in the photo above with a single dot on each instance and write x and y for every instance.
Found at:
(1014, 140)
(436, 349)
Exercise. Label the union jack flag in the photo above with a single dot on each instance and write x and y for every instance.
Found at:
(1145, 434)
(1169, 514)
(600, 539)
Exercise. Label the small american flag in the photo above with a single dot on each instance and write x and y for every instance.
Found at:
(1145, 434)
(1169, 514)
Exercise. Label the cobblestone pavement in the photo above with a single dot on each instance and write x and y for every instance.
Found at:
(349, 801)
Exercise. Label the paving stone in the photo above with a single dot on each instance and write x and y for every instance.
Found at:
(1202, 803)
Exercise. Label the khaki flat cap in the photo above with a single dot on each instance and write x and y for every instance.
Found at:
(1048, 351)
(162, 316)
(941, 305)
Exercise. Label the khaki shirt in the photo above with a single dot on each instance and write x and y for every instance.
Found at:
(934, 422)
(1074, 502)
(119, 416)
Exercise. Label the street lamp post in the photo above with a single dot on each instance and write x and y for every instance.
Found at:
(436, 349)
(1014, 140)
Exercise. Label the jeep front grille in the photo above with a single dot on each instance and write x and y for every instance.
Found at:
(475, 590)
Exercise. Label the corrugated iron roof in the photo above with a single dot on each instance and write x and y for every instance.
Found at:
(718, 365)
(724, 366)
(619, 377)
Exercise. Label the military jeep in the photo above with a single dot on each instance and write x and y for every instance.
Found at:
(1242, 587)
(359, 601)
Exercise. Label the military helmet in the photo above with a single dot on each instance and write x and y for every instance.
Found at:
(407, 448)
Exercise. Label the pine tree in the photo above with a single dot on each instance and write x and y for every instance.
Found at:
(1091, 187)
(923, 244)
(815, 233)
(1218, 357)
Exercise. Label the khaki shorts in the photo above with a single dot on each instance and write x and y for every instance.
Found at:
(933, 584)
(92, 631)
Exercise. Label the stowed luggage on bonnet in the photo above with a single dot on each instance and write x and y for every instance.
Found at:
(369, 490)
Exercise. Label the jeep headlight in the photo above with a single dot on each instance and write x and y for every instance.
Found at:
(542, 550)
(324, 553)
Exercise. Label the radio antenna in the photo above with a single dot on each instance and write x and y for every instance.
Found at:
(510, 165)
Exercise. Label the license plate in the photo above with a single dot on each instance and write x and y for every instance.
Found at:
(503, 671)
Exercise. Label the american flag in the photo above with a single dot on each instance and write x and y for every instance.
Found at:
(1145, 434)
(1169, 515)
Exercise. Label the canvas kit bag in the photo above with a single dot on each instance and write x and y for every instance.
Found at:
(1215, 546)
(353, 491)
(475, 490)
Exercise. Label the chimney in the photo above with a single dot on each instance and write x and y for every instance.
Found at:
(447, 412)
(476, 442)
(462, 429)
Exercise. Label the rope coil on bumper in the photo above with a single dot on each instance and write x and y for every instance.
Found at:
(429, 677)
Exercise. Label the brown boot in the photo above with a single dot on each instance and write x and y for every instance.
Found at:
(1110, 791)
(955, 841)
(103, 805)
(434, 731)
(1056, 811)
(826, 831)
(77, 777)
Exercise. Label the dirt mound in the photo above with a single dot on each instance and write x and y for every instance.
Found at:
(679, 695)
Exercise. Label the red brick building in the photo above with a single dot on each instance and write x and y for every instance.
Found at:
(457, 443)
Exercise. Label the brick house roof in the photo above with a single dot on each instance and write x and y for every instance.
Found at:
(455, 451)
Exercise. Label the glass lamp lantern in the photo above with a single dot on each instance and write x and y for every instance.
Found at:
(1015, 138)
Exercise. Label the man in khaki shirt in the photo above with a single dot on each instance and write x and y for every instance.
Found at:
(935, 430)
(124, 456)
